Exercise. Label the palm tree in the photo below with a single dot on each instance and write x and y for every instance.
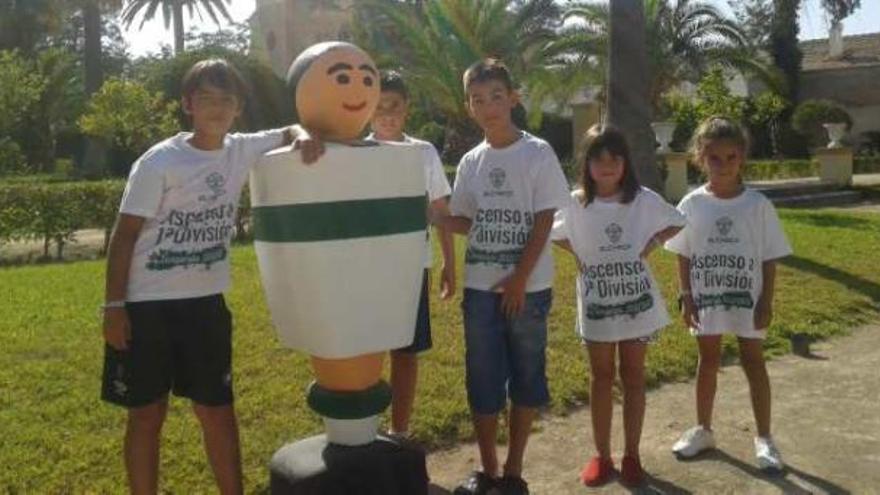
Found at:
(24, 25)
(433, 43)
(683, 40)
(629, 86)
(172, 10)
(92, 10)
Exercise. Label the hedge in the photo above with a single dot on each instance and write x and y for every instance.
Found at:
(53, 212)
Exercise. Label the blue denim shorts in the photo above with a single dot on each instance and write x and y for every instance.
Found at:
(505, 356)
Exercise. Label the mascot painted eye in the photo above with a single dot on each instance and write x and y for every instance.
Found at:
(335, 90)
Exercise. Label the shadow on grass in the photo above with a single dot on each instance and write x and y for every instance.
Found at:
(861, 285)
(791, 481)
(827, 220)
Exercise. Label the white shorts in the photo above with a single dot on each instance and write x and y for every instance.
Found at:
(740, 333)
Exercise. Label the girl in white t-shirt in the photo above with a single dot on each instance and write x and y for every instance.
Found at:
(727, 267)
(610, 226)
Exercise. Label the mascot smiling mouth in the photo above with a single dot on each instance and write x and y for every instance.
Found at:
(355, 108)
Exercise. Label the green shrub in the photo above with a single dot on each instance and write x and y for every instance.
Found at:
(12, 160)
(129, 118)
(866, 165)
(52, 213)
(809, 116)
(780, 169)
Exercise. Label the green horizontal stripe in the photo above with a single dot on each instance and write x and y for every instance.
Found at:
(337, 220)
(349, 405)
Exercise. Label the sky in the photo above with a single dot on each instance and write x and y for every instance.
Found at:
(813, 23)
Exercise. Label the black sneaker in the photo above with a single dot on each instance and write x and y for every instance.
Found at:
(513, 485)
(478, 484)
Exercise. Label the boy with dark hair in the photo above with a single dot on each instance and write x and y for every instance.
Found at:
(506, 192)
(166, 325)
(387, 125)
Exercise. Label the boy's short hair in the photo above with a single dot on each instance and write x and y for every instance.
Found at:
(218, 73)
(489, 69)
(392, 81)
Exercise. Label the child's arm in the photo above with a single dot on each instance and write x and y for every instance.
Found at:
(764, 308)
(117, 331)
(514, 286)
(659, 238)
(689, 311)
(308, 143)
(456, 224)
(439, 211)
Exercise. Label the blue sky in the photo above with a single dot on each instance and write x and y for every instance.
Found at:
(813, 21)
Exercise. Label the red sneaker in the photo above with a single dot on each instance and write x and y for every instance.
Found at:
(597, 472)
(631, 473)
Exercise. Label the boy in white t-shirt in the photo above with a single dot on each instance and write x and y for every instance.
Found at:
(166, 325)
(387, 125)
(506, 192)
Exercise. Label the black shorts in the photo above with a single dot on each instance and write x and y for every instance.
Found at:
(422, 336)
(179, 345)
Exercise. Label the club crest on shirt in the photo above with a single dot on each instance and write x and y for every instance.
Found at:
(614, 232)
(726, 234)
(215, 182)
(724, 225)
(497, 179)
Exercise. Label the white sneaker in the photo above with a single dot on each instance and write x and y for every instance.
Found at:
(694, 441)
(769, 458)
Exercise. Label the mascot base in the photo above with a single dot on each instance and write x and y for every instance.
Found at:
(313, 466)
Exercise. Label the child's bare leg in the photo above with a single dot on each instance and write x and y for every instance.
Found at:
(601, 405)
(486, 426)
(404, 374)
(751, 355)
(141, 448)
(220, 432)
(707, 377)
(521, 419)
(632, 374)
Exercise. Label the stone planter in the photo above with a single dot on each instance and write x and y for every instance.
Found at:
(836, 132)
(664, 132)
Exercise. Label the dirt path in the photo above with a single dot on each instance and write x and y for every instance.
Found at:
(826, 423)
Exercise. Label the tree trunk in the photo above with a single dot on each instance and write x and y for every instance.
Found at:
(787, 57)
(629, 87)
(94, 160)
(177, 11)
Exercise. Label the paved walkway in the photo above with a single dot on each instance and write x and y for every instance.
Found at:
(826, 423)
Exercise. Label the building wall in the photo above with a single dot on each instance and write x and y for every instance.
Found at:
(284, 28)
(856, 89)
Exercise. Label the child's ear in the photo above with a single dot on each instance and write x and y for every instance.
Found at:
(186, 104)
(514, 98)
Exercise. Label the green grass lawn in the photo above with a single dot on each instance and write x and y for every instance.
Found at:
(57, 437)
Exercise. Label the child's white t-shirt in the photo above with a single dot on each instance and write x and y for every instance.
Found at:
(436, 184)
(189, 198)
(727, 241)
(501, 190)
(618, 298)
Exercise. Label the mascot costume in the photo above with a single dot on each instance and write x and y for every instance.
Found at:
(340, 245)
